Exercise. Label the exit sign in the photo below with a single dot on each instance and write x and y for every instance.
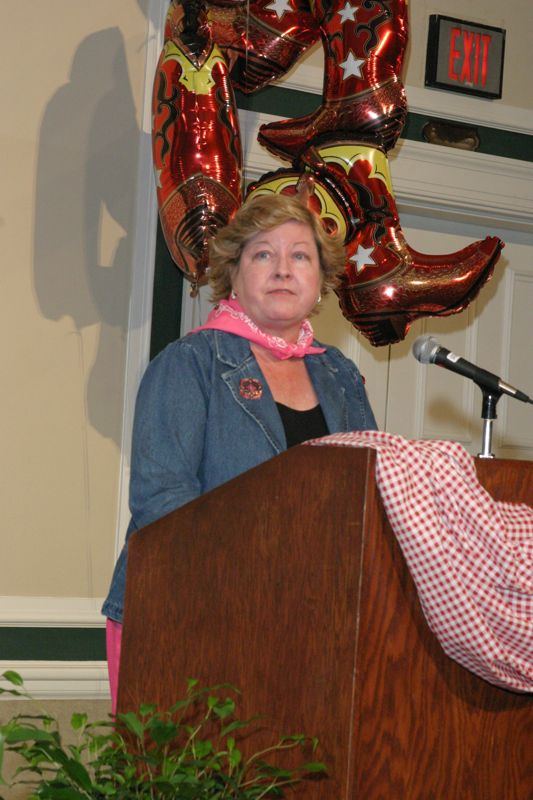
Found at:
(465, 57)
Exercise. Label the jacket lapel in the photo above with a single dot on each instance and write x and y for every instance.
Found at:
(330, 392)
(249, 388)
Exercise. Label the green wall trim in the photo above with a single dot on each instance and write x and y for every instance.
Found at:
(279, 101)
(166, 305)
(492, 142)
(52, 644)
(290, 103)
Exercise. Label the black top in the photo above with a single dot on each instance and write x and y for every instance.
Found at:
(302, 425)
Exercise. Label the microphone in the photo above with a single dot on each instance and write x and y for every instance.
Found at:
(427, 350)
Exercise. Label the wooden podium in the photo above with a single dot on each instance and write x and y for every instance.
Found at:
(288, 583)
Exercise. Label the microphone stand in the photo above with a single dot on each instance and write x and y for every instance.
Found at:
(488, 415)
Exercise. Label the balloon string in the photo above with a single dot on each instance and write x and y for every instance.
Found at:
(247, 38)
(247, 35)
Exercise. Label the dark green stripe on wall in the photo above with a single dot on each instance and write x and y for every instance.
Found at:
(52, 644)
(492, 142)
(279, 101)
(166, 305)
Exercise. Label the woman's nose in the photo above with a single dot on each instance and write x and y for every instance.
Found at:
(283, 266)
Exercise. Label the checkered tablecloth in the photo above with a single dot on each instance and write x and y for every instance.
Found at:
(470, 556)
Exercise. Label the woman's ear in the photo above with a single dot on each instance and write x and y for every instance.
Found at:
(233, 271)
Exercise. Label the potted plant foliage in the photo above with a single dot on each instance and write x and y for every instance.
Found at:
(189, 752)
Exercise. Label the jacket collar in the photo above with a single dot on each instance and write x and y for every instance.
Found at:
(234, 351)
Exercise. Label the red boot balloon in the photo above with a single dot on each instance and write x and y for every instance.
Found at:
(261, 39)
(387, 285)
(363, 97)
(195, 139)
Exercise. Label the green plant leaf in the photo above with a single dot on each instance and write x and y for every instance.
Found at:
(13, 677)
(146, 709)
(61, 793)
(225, 708)
(78, 721)
(2, 742)
(313, 766)
(77, 772)
(132, 723)
(179, 705)
(235, 757)
(20, 733)
(45, 719)
(236, 725)
(203, 748)
(162, 731)
(13, 692)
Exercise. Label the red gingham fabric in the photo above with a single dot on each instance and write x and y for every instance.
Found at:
(470, 556)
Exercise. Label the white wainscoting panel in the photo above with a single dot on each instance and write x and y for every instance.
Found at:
(60, 679)
(515, 428)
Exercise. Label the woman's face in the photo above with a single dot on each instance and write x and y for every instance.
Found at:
(278, 278)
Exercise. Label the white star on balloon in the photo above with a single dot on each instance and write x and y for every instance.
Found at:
(158, 178)
(352, 66)
(280, 7)
(348, 13)
(363, 258)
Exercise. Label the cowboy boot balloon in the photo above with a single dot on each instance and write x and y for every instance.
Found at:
(363, 97)
(195, 139)
(387, 284)
(261, 39)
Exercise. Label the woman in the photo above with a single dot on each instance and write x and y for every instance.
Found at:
(247, 384)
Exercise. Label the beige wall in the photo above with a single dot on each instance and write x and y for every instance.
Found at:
(71, 86)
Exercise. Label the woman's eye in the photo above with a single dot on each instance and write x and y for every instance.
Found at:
(300, 256)
(262, 255)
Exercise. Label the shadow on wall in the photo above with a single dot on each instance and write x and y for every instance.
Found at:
(85, 196)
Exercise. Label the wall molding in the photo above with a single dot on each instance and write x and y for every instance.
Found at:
(473, 187)
(143, 265)
(51, 612)
(61, 680)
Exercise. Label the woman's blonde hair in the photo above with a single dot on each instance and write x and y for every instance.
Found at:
(261, 213)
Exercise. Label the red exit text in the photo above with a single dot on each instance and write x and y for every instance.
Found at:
(469, 57)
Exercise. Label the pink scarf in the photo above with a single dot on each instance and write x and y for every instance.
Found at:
(229, 316)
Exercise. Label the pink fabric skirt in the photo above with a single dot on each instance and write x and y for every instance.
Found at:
(113, 644)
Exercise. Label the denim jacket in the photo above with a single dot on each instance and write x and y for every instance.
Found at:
(194, 429)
